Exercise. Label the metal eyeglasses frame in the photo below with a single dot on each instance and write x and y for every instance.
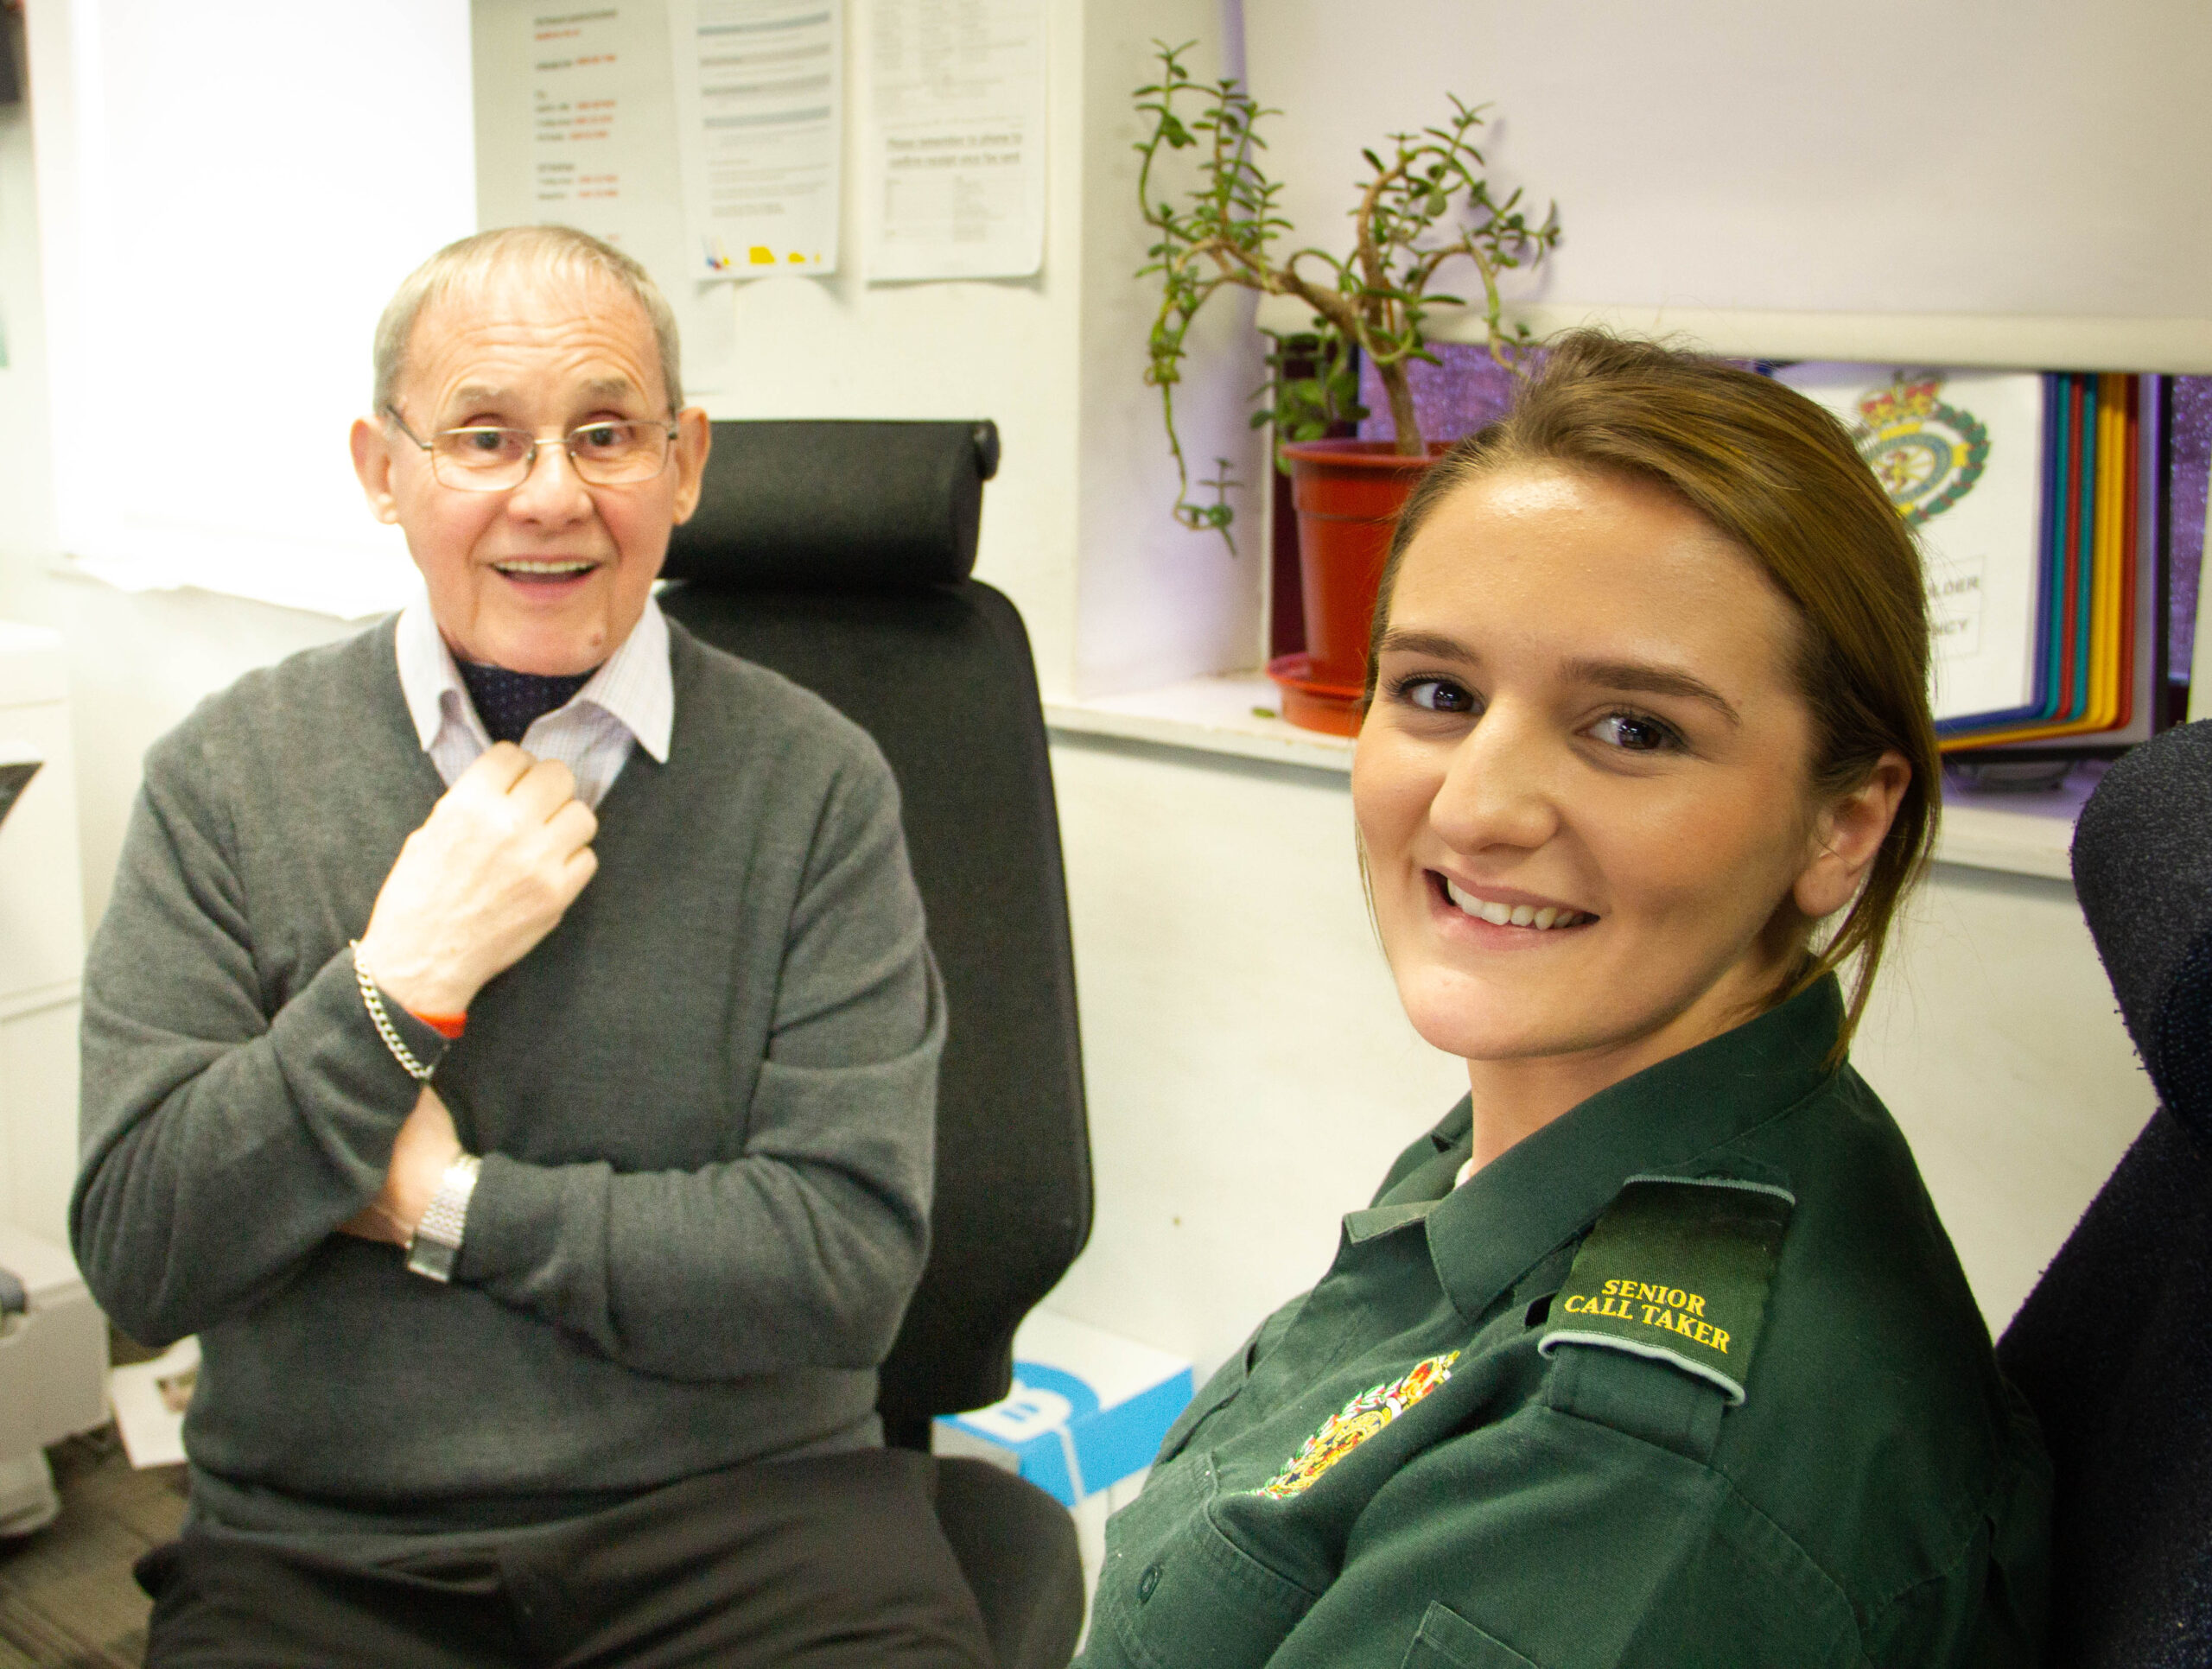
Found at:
(566, 442)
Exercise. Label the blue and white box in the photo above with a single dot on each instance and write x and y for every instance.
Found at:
(1088, 1409)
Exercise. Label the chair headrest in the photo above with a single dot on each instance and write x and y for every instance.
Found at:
(2143, 872)
(818, 506)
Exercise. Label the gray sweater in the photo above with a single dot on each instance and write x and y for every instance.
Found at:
(706, 1103)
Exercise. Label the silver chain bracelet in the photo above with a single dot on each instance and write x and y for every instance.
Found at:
(373, 1000)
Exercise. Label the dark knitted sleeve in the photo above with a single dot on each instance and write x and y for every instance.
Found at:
(220, 1145)
(803, 1252)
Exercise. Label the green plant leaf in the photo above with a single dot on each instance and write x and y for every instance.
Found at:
(1219, 229)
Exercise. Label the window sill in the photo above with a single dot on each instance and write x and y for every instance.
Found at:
(1220, 714)
(2012, 833)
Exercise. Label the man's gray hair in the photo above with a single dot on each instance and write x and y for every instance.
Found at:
(542, 252)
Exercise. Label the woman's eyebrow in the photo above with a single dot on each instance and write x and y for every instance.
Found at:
(1638, 677)
(1647, 680)
(1398, 641)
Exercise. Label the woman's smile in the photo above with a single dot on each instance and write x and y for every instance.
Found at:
(1507, 907)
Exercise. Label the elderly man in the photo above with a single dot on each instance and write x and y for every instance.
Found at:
(512, 1048)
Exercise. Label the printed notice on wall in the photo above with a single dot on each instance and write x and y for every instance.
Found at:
(955, 138)
(1960, 454)
(760, 97)
(584, 88)
(575, 126)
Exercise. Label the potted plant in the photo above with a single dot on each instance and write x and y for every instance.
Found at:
(1424, 205)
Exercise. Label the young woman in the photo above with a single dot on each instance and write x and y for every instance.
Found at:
(1653, 1353)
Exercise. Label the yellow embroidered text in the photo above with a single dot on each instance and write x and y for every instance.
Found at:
(1670, 1308)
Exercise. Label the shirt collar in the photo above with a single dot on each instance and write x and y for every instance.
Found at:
(426, 670)
(1669, 1117)
(634, 687)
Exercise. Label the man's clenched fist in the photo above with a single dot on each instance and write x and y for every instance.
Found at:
(503, 855)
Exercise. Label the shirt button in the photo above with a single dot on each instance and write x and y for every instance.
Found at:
(1146, 1582)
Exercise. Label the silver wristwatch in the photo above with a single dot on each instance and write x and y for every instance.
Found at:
(436, 1242)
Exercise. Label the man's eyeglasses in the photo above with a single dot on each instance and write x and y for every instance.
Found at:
(484, 457)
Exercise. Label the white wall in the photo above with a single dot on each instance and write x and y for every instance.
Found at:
(228, 195)
(1250, 1072)
(26, 461)
(1996, 1041)
(139, 662)
(1980, 157)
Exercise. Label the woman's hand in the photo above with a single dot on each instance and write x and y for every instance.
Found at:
(427, 1145)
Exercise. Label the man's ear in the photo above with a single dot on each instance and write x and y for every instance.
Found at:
(1847, 836)
(694, 435)
(373, 463)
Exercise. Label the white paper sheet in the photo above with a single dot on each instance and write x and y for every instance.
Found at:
(150, 1399)
(586, 87)
(760, 98)
(955, 138)
(594, 144)
(1980, 546)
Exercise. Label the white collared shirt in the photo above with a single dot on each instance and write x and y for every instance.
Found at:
(632, 698)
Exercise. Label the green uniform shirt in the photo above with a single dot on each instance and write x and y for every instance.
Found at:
(1392, 1472)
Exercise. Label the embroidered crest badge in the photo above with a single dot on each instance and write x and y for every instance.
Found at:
(1356, 1421)
(1926, 454)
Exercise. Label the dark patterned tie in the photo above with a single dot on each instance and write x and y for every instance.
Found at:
(510, 702)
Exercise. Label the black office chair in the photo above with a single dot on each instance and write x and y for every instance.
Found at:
(838, 554)
(2115, 1346)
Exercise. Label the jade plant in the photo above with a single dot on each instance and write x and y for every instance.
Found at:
(1424, 205)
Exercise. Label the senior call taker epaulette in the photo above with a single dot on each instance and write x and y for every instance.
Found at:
(1677, 1269)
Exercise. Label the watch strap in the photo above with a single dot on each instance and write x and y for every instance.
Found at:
(436, 1246)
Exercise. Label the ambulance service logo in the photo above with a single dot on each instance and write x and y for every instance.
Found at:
(1926, 454)
(1356, 1421)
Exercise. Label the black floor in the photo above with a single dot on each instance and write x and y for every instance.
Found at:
(67, 1596)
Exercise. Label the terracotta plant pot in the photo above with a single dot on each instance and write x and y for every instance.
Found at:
(1347, 494)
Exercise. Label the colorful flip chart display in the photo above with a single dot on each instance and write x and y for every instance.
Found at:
(2034, 501)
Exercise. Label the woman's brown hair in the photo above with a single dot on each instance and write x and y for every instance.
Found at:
(1780, 478)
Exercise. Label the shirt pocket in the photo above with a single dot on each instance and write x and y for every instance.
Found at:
(1195, 1598)
(1447, 1640)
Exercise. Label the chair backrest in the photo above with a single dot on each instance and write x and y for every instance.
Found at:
(838, 554)
(2114, 1348)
